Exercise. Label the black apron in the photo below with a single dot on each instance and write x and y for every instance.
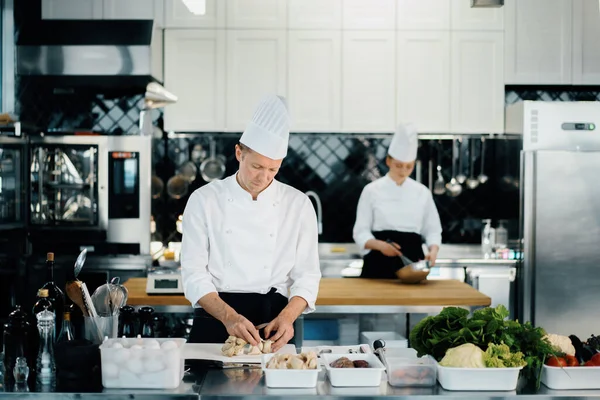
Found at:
(379, 266)
(257, 308)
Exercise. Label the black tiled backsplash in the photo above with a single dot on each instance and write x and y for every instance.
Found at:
(336, 166)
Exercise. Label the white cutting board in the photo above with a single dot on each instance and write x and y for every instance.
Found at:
(212, 351)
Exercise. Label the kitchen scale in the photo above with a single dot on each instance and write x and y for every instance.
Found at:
(165, 279)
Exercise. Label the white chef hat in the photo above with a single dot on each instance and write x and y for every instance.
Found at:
(269, 130)
(404, 143)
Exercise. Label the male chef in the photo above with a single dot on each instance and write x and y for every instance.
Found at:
(249, 252)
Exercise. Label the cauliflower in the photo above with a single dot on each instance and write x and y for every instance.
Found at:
(464, 356)
(499, 356)
(561, 343)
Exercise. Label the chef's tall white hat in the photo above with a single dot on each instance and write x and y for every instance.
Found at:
(404, 143)
(269, 130)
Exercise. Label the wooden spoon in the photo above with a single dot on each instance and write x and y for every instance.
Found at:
(74, 292)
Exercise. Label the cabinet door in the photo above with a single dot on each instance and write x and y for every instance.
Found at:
(195, 72)
(71, 9)
(423, 78)
(315, 14)
(465, 17)
(416, 15)
(256, 14)
(133, 9)
(256, 66)
(477, 84)
(538, 46)
(177, 15)
(368, 81)
(369, 14)
(586, 43)
(314, 60)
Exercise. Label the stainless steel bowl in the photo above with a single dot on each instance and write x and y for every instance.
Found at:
(414, 272)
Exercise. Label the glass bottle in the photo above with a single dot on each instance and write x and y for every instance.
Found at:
(501, 235)
(16, 338)
(43, 302)
(45, 367)
(487, 238)
(66, 332)
(54, 292)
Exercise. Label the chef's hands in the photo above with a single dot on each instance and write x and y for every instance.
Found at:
(282, 329)
(389, 249)
(432, 256)
(240, 326)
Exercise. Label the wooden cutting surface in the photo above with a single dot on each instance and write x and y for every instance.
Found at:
(351, 291)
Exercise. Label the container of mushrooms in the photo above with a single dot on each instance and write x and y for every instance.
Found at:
(291, 370)
(351, 370)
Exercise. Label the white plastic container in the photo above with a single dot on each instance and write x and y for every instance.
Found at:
(354, 377)
(138, 363)
(569, 378)
(415, 372)
(483, 379)
(392, 339)
(289, 378)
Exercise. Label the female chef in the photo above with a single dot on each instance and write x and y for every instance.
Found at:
(395, 214)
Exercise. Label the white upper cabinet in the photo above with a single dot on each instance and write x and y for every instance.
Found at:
(368, 81)
(369, 14)
(423, 95)
(72, 9)
(423, 15)
(314, 88)
(477, 84)
(256, 14)
(134, 9)
(465, 17)
(538, 41)
(177, 15)
(586, 42)
(256, 66)
(195, 72)
(315, 14)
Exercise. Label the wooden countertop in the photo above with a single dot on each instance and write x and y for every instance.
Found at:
(355, 291)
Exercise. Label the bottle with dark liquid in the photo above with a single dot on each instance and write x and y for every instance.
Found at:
(56, 295)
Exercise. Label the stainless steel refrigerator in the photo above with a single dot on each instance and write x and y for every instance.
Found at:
(560, 214)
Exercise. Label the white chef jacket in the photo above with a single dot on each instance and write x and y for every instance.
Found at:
(232, 243)
(385, 205)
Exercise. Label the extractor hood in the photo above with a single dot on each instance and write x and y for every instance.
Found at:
(91, 53)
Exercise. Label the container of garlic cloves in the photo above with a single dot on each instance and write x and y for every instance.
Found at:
(141, 363)
(291, 370)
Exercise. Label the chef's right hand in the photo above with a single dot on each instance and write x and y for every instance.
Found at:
(390, 249)
(240, 327)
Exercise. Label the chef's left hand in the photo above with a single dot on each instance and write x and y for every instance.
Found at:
(282, 329)
(432, 256)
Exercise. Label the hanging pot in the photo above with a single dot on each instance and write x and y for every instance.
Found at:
(212, 168)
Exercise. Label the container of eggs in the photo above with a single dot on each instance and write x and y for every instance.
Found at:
(141, 363)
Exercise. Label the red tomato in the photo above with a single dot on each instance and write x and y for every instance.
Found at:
(589, 364)
(596, 359)
(572, 361)
(554, 361)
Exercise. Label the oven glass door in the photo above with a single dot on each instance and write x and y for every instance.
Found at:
(12, 194)
(64, 187)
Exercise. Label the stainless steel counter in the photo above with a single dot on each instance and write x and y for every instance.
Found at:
(249, 384)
